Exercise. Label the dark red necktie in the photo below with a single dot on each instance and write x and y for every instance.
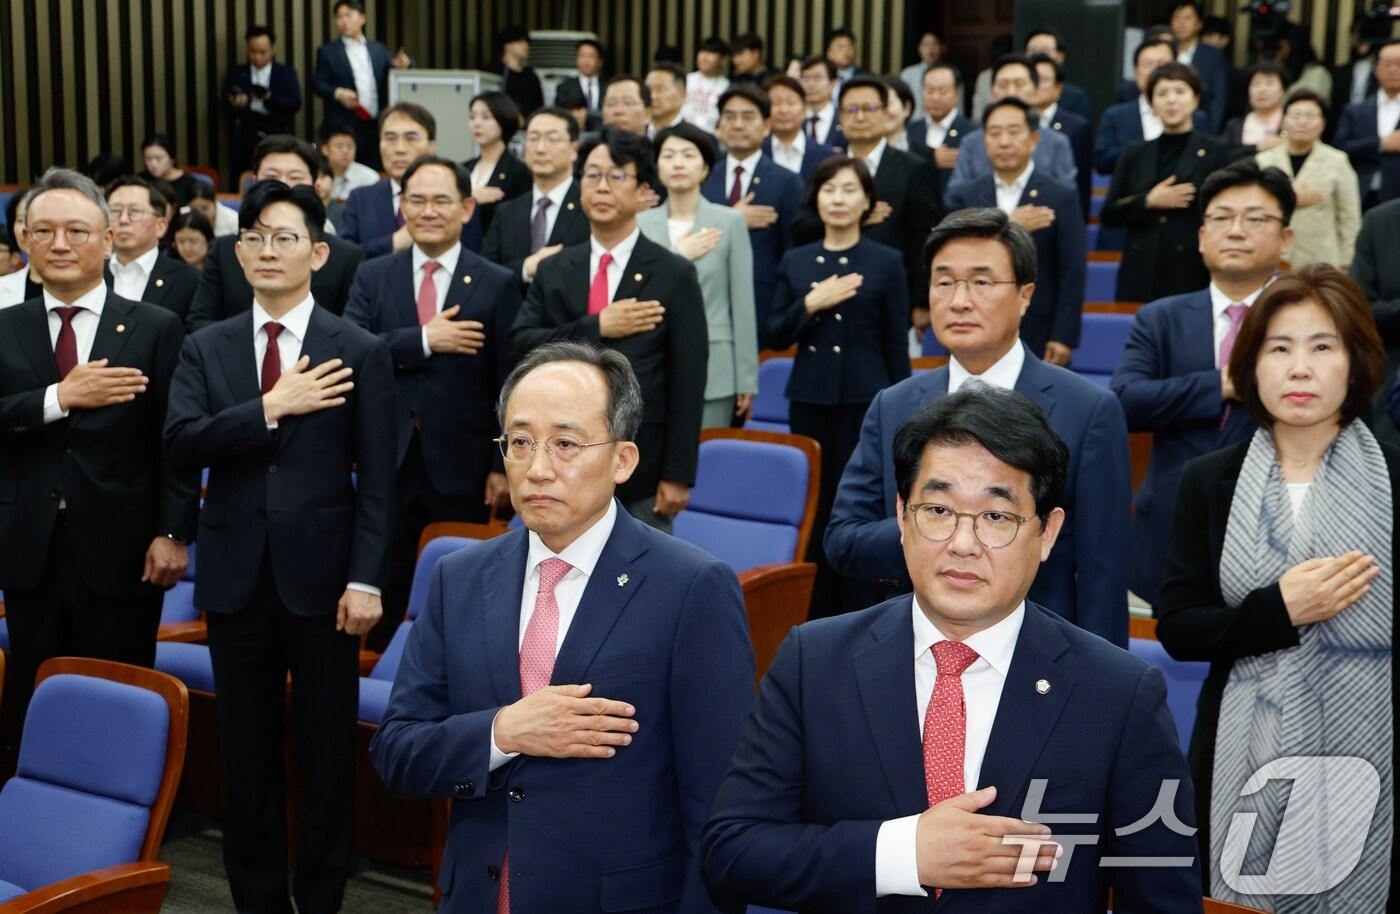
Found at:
(736, 191)
(272, 358)
(65, 348)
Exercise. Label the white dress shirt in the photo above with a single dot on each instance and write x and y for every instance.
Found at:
(824, 119)
(896, 848)
(746, 178)
(1004, 372)
(589, 85)
(13, 286)
(84, 332)
(1188, 55)
(442, 279)
(583, 554)
(1220, 321)
(937, 131)
(873, 157)
(1387, 113)
(356, 176)
(1047, 116)
(1361, 71)
(621, 253)
(129, 281)
(1009, 195)
(357, 51)
(551, 214)
(790, 157)
(259, 76)
(1151, 123)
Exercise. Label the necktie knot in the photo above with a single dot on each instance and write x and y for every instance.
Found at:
(273, 330)
(605, 261)
(1236, 311)
(544, 204)
(552, 571)
(430, 268)
(738, 170)
(953, 657)
(67, 313)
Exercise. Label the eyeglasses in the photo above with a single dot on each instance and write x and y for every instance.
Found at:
(979, 288)
(939, 523)
(563, 448)
(857, 110)
(735, 117)
(553, 138)
(282, 242)
(1253, 222)
(615, 178)
(418, 202)
(76, 235)
(134, 213)
(1302, 117)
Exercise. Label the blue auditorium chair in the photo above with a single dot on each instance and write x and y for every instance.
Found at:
(1091, 236)
(1101, 281)
(770, 405)
(1184, 681)
(1102, 339)
(931, 345)
(82, 819)
(179, 605)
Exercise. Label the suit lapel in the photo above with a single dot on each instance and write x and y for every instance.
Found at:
(1036, 382)
(567, 217)
(1031, 196)
(320, 344)
(638, 268)
(34, 340)
(238, 358)
(159, 283)
(463, 284)
(501, 597)
(114, 328)
(885, 678)
(403, 279)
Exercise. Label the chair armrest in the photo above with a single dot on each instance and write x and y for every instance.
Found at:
(776, 598)
(367, 661)
(127, 887)
(196, 632)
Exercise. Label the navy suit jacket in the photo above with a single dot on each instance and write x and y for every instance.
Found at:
(1081, 141)
(775, 186)
(283, 99)
(286, 493)
(368, 218)
(1061, 254)
(832, 750)
(1085, 578)
(813, 154)
(451, 397)
(1214, 71)
(1075, 99)
(917, 133)
(1168, 384)
(333, 72)
(661, 626)
(1120, 126)
(1357, 137)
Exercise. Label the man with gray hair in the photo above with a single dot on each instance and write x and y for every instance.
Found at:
(93, 522)
(577, 686)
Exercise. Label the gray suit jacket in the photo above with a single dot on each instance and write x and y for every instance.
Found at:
(726, 284)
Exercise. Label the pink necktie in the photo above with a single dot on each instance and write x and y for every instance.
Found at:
(598, 292)
(1236, 312)
(945, 724)
(427, 294)
(737, 191)
(536, 666)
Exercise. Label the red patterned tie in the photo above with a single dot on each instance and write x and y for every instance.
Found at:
(598, 292)
(427, 294)
(537, 666)
(272, 358)
(737, 190)
(65, 348)
(945, 724)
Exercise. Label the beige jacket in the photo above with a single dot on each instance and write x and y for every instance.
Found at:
(1326, 232)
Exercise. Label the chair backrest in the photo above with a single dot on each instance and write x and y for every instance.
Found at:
(178, 605)
(423, 571)
(770, 404)
(754, 497)
(103, 748)
(1102, 339)
(1184, 681)
(203, 173)
(4, 635)
(1101, 281)
(932, 346)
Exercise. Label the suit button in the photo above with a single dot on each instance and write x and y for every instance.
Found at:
(821, 259)
(492, 873)
(811, 348)
(272, 468)
(1162, 219)
(838, 317)
(517, 794)
(460, 789)
(836, 349)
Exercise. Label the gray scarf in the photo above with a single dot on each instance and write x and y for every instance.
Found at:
(1328, 697)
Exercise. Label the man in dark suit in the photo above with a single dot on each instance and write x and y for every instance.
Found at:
(970, 711)
(1377, 270)
(352, 79)
(223, 286)
(1354, 80)
(937, 136)
(588, 60)
(1071, 98)
(1187, 21)
(1172, 379)
(140, 216)
(1049, 211)
(446, 315)
(746, 64)
(371, 217)
(540, 224)
(632, 295)
(1055, 116)
(1014, 76)
(1084, 579)
(20, 285)
(746, 179)
(292, 410)
(821, 125)
(841, 51)
(1369, 131)
(787, 144)
(576, 687)
(261, 97)
(93, 519)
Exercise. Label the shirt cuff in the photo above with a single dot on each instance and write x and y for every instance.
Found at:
(427, 350)
(897, 858)
(364, 588)
(525, 276)
(52, 411)
(498, 758)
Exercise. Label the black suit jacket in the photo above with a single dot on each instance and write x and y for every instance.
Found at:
(451, 397)
(670, 360)
(283, 99)
(1154, 233)
(105, 464)
(172, 285)
(511, 176)
(508, 240)
(917, 134)
(224, 291)
(333, 72)
(1357, 137)
(1081, 140)
(285, 494)
(1376, 269)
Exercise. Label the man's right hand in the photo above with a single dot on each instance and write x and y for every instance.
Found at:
(563, 722)
(1391, 142)
(93, 385)
(959, 849)
(457, 337)
(1171, 195)
(532, 263)
(756, 215)
(946, 156)
(347, 97)
(303, 390)
(627, 317)
(1033, 218)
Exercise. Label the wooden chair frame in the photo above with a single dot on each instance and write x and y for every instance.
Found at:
(807, 446)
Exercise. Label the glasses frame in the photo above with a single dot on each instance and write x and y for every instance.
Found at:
(1218, 221)
(972, 291)
(268, 239)
(45, 235)
(957, 521)
(503, 444)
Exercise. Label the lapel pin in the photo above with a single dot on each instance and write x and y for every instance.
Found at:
(1042, 686)
(121, 328)
(756, 179)
(501, 176)
(568, 206)
(1057, 126)
(637, 277)
(1034, 193)
(159, 283)
(953, 132)
(622, 579)
(1200, 153)
(467, 280)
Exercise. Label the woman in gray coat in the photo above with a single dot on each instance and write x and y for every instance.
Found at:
(715, 239)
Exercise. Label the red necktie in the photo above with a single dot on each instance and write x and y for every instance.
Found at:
(427, 294)
(598, 292)
(65, 348)
(945, 724)
(537, 666)
(272, 358)
(737, 190)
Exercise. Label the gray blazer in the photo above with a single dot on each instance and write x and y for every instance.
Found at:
(1326, 232)
(726, 284)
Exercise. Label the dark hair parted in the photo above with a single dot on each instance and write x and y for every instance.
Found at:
(1015, 60)
(642, 91)
(990, 224)
(1344, 301)
(690, 134)
(874, 83)
(416, 113)
(1059, 71)
(1247, 173)
(714, 45)
(504, 112)
(1059, 42)
(164, 142)
(787, 82)
(570, 123)
(1178, 72)
(674, 70)
(623, 413)
(260, 31)
(1011, 101)
(459, 174)
(193, 220)
(751, 94)
(263, 194)
(830, 168)
(819, 60)
(747, 42)
(355, 5)
(623, 147)
(280, 143)
(1167, 43)
(157, 200)
(1008, 424)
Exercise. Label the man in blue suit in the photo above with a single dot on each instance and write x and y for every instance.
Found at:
(1369, 131)
(1015, 76)
(819, 86)
(1172, 379)
(787, 144)
(1133, 121)
(581, 781)
(352, 79)
(937, 136)
(914, 745)
(373, 217)
(446, 315)
(1085, 578)
(750, 182)
(1187, 21)
(1049, 211)
(261, 97)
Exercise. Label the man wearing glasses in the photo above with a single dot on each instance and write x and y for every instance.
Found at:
(1172, 379)
(140, 217)
(281, 405)
(632, 295)
(984, 277)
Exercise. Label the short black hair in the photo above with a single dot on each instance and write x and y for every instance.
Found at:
(864, 82)
(106, 167)
(819, 60)
(691, 134)
(746, 42)
(355, 5)
(1154, 42)
(332, 129)
(1247, 173)
(1011, 60)
(1178, 72)
(1194, 4)
(1055, 66)
(1008, 424)
(157, 200)
(1266, 68)
(1218, 25)
(559, 112)
(164, 142)
(511, 34)
(200, 191)
(260, 31)
(265, 193)
(714, 45)
(906, 97)
(414, 112)
(460, 177)
(623, 147)
(193, 220)
(1306, 95)
(286, 143)
(504, 111)
(1032, 119)
(951, 68)
(985, 223)
(749, 93)
(675, 70)
(841, 31)
(589, 43)
(642, 89)
(1059, 42)
(833, 165)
